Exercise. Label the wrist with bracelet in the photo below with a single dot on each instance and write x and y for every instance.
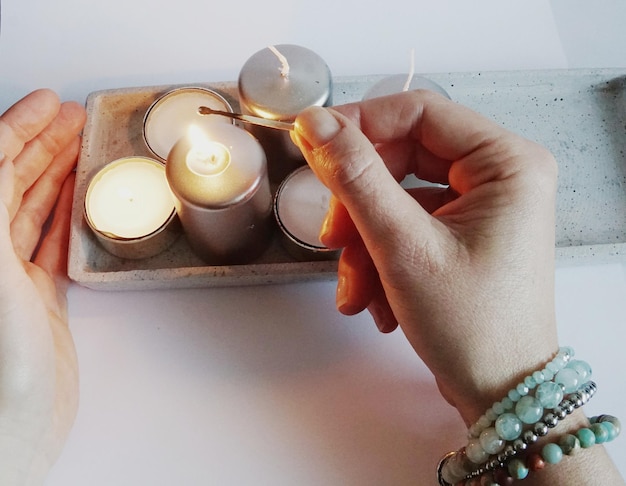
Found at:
(500, 449)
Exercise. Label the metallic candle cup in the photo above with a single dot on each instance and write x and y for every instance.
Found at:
(266, 91)
(168, 119)
(300, 207)
(223, 199)
(130, 208)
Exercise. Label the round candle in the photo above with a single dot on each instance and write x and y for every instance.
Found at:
(128, 202)
(398, 82)
(300, 207)
(223, 199)
(170, 116)
(269, 89)
(278, 83)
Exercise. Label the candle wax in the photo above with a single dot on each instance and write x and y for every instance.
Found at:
(208, 159)
(129, 198)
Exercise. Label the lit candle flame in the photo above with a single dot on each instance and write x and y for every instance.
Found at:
(206, 157)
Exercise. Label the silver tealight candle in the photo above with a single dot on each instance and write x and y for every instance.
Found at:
(300, 207)
(222, 193)
(277, 83)
(170, 116)
(130, 208)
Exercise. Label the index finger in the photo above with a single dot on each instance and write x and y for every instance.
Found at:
(446, 129)
(450, 140)
(26, 119)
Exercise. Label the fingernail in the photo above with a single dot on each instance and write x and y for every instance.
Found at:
(325, 229)
(342, 292)
(317, 126)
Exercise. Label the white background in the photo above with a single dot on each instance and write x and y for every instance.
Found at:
(269, 385)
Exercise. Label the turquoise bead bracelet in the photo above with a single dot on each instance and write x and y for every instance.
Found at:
(521, 411)
(603, 428)
(539, 429)
(560, 375)
(461, 465)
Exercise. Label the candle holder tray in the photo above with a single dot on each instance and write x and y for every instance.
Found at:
(580, 115)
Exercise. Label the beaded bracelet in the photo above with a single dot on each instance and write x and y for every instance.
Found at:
(559, 376)
(560, 369)
(603, 428)
(539, 429)
(457, 465)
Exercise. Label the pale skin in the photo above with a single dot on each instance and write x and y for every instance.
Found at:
(434, 264)
(466, 271)
(38, 370)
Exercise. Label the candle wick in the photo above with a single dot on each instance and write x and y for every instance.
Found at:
(409, 78)
(284, 68)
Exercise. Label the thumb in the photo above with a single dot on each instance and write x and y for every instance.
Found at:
(345, 160)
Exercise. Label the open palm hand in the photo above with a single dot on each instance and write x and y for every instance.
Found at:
(39, 143)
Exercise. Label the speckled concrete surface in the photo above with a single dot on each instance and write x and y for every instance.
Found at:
(580, 115)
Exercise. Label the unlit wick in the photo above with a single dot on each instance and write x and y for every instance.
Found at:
(284, 68)
(407, 84)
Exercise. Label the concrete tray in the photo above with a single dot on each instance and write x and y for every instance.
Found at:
(580, 115)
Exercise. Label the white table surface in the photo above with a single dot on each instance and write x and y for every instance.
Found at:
(270, 385)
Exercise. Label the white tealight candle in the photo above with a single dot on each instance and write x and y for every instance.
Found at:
(130, 208)
(278, 83)
(300, 207)
(168, 119)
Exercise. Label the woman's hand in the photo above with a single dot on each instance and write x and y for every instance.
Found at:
(466, 270)
(39, 141)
